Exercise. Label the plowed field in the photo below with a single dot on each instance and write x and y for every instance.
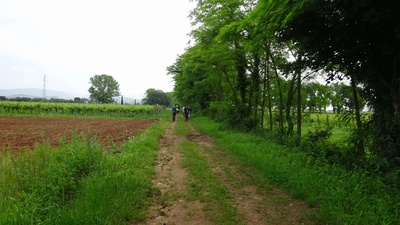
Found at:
(21, 133)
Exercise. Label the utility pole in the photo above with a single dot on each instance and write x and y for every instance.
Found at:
(44, 87)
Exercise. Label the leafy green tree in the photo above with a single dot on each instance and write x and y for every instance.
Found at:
(324, 93)
(104, 88)
(199, 76)
(218, 32)
(318, 96)
(239, 64)
(171, 97)
(78, 100)
(342, 98)
(156, 97)
(353, 38)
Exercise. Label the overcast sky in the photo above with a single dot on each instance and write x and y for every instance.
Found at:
(70, 41)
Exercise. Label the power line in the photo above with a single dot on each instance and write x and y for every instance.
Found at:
(44, 87)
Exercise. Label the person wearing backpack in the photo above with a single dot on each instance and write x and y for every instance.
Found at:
(186, 114)
(174, 111)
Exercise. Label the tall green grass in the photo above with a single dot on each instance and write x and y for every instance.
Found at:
(80, 182)
(338, 196)
(203, 184)
(320, 121)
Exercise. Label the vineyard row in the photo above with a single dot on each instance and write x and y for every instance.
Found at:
(77, 109)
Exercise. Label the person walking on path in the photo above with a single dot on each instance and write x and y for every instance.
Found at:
(173, 113)
(187, 113)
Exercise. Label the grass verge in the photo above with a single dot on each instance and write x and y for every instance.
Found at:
(80, 182)
(338, 196)
(203, 184)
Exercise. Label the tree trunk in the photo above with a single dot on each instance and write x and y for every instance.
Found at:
(235, 98)
(356, 103)
(299, 116)
(289, 105)
(267, 81)
(256, 84)
(241, 73)
(271, 122)
(264, 95)
(360, 144)
(396, 105)
(395, 92)
(280, 107)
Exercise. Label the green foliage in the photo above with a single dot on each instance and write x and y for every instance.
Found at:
(337, 196)
(45, 181)
(192, 85)
(79, 183)
(247, 54)
(156, 97)
(337, 36)
(385, 147)
(68, 109)
(206, 187)
(104, 88)
(318, 146)
(220, 110)
(59, 100)
(214, 70)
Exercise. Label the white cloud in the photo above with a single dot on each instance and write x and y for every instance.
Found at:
(134, 41)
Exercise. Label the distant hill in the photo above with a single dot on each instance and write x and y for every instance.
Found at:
(38, 93)
(34, 93)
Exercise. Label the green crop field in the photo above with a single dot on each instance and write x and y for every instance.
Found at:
(339, 125)
(77, 109)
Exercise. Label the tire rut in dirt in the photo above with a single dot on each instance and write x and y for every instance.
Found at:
(266, 205)
(169, 203)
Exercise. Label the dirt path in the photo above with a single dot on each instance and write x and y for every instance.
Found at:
(255, 205)
(169, 205)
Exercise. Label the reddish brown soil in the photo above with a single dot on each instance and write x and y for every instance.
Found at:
(22, 133)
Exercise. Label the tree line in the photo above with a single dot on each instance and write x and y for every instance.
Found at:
(249, 60)
(37, 99)
(104, 89)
